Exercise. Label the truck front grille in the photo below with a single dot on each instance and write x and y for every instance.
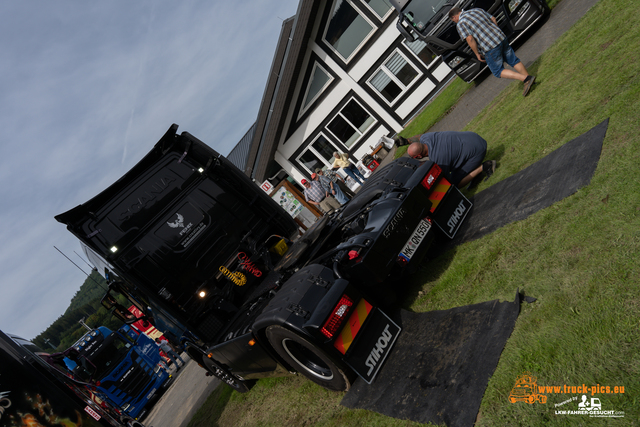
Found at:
(137, 381)
(209, 327)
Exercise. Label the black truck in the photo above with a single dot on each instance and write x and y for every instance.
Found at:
(428, 20)
(33, 393)
(186, 235)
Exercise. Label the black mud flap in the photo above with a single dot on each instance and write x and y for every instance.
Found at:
(452, 211)
(372, 345)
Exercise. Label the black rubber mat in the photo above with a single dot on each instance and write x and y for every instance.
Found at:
(549, 180)
(443, 360)
(440, 366)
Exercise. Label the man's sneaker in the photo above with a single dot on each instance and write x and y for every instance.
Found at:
(527, 85)
(489, 167)
(400, 141)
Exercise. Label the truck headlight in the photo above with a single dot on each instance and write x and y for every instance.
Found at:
(455, 61)
(513, 4)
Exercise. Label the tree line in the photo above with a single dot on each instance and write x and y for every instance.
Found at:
(85, 304)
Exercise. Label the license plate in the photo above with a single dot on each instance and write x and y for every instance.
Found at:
(452, 211)
(151, 393)
(416, 238)
(372, 345)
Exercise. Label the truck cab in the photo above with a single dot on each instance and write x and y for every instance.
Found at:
(428, 20)
(121, 366)
(187, 234)
(34, 393)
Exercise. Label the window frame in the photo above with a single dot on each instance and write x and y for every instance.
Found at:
(430, 64)
(315, 152)
(339, 113)
(309, 106)
(386, 15)
(360, 45)
(393, 77)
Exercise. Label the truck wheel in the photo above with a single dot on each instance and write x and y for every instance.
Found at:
(309, 360)
(133, 423)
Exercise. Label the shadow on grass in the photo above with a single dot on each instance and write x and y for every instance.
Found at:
(431, 268)
(210, 412)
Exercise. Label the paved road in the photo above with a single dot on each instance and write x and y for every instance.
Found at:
(184, 397)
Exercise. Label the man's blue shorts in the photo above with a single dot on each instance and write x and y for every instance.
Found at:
(500, 54)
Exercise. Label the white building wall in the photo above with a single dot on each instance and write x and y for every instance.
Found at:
(348, 82)
(441, 72)
(418, 94)
(373, 54)
(337, 95)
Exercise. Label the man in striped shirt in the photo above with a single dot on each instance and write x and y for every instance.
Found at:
(316, 195)
(483, 35)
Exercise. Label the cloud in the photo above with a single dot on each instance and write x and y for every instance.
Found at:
(87, 90)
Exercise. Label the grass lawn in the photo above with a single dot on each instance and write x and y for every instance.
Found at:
(580, 257)
(437, 108)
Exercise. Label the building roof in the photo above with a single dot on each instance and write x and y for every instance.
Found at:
(240, 153)
(278, 94)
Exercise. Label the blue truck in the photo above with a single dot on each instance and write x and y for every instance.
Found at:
(33, 393)
(121, 367)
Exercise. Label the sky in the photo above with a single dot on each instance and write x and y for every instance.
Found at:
(86, 90)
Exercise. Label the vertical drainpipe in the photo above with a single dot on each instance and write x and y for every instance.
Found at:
(273, 101)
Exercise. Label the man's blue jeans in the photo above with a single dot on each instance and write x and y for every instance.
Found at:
(354, 173)
(340, 197)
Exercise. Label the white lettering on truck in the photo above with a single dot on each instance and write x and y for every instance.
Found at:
(455, 218)
(394, 222)
(375, 354)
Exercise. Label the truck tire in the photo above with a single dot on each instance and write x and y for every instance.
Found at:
(217, 370)
(308, 359)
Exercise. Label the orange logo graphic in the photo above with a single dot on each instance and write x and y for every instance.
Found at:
(526, 390)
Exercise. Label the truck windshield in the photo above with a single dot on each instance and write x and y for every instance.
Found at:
(420, 12)
(105, 358)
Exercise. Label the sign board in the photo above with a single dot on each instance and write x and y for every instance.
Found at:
(267, 187)
(288, 201)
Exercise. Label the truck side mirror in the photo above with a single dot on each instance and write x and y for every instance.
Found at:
(119, 310)
(406, 33)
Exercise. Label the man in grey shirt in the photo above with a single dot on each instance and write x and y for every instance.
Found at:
(459, 154)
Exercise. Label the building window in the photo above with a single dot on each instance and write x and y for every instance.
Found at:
(419, 47)
(318, 155)
(318, 82)
(347, 29)
(380, 7)
(394, 77)
(351, 122)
